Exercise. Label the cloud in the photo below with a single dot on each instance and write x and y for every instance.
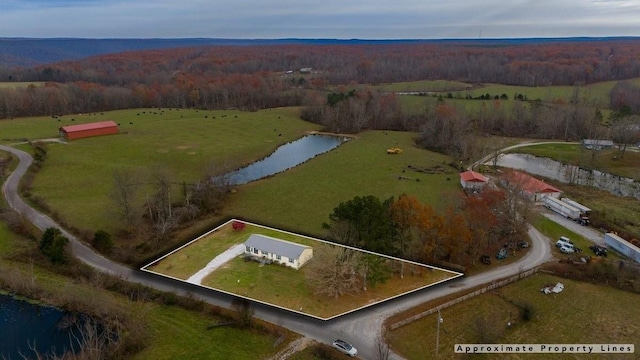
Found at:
(319, 19)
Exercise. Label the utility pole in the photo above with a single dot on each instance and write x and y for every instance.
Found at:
(438, 321)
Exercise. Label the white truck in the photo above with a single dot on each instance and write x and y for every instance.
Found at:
(584, 211)
(565, 210)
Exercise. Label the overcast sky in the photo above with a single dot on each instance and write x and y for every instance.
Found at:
(342, 19)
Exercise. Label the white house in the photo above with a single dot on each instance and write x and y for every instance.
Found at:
(281, 251)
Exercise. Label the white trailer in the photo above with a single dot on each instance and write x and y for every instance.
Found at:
(622, 246)
(561, 208)
(583, 209)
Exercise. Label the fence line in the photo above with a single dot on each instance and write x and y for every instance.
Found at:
(492, 286)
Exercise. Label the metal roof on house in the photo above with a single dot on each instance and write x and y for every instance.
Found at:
(472, 176)
(275, 246)
(89, 126)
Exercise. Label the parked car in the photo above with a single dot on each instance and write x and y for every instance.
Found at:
(523, 244)
(502, 254)
(485, 259)
(345, 348)
(598, 250)
(561, 243)
(566, 250)
(565, 239)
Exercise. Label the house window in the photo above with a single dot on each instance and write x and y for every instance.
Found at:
(278, 257)
(291, 260)
(255, 251)
(265, 253)
(248, 248)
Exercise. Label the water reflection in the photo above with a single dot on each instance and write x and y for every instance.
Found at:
(25, 327)
(571, 174)
(286, 157)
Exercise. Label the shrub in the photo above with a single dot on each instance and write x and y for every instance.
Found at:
(102, 241)
(238, 225)
(54, 245)
(527, 311)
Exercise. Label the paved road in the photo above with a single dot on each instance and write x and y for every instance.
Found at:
(360, 328)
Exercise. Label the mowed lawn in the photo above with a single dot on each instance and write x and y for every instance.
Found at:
(77, 178)
(280, 285)
(581, 314)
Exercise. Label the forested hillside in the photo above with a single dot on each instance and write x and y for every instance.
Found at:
(336, 83)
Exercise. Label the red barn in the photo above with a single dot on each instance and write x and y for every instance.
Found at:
(472, 180)
(80, 131)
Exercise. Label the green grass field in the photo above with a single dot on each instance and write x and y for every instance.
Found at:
(78, 176)
(280, 285)
(595, 95)
(425, 86)
(301, 199)
(582, 313)
(18, 84)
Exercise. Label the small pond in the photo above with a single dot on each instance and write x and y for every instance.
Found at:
(24, 326)
(286, 157)
(571, 174)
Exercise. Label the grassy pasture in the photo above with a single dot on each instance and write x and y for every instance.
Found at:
(277, 284)
(424, 86)
(19, 84)
(596, 95)
(582, 313)
(77, 176)
(302, 198)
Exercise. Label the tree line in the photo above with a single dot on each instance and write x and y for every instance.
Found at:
(255, 77)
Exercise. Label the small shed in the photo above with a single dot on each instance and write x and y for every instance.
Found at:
(471, 180)
(73, 132)
(280, 251)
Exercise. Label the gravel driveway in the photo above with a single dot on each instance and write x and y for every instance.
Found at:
(217, 261)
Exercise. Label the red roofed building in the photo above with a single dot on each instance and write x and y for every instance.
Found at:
(471, 180)
(529, 185)
(73, 132)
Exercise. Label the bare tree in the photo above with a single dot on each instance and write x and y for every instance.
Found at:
(126, 185)
(160, 206)
(333, 271)
(244, 311)
(626, 131)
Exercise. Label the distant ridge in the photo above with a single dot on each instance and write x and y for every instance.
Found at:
(37, 51)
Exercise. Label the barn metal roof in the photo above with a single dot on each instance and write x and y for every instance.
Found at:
(472, 176)
(89, 126)
(275, 246)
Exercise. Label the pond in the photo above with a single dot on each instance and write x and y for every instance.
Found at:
(25, 327)
(286, 157)
(571, 174)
